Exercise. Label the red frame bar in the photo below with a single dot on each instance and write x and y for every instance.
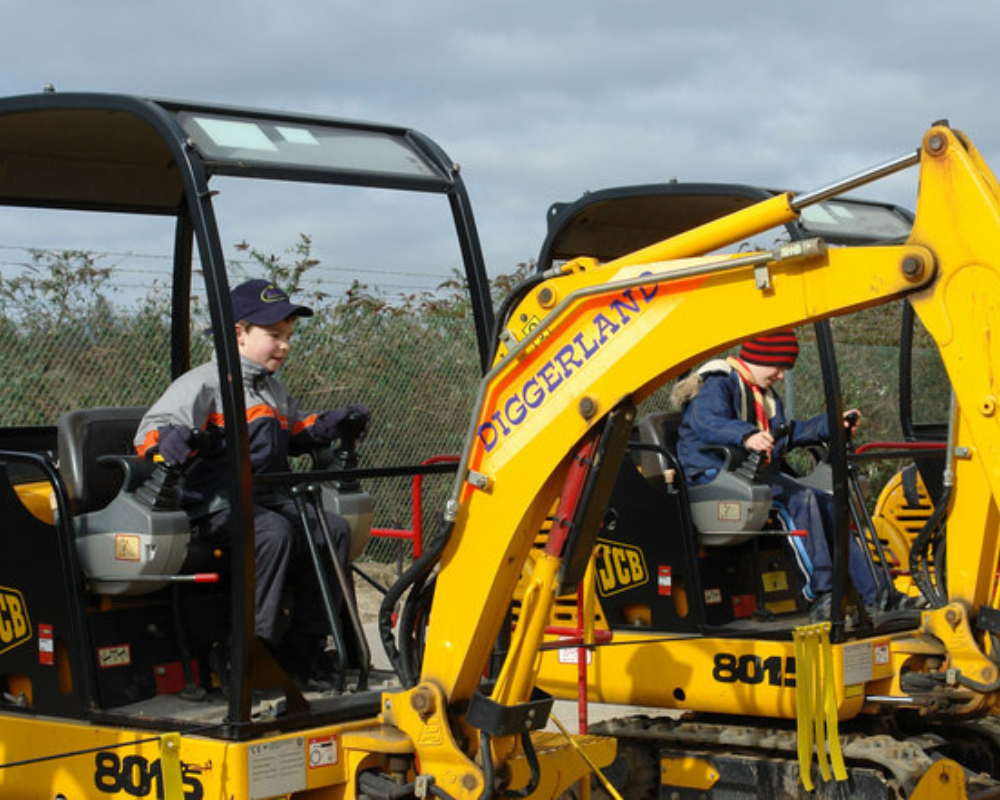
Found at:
(416, 533)
(900, 446)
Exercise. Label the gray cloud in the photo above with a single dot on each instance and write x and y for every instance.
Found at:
(540, 102)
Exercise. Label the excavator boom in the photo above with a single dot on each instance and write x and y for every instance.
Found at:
(589, 340)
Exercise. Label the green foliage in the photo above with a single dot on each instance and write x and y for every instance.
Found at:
(504, 284)
(71, 340)
(288, 274)
(65, 339)
(56, 288)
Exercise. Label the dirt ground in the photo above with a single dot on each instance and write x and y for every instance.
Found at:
(370, 598)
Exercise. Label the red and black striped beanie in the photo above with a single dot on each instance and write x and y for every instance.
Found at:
(778, 349)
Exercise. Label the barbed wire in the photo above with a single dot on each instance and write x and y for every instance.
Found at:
(316, 280)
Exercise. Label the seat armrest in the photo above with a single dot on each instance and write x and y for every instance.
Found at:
(136, 470)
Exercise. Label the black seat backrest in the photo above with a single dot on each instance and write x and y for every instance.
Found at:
(83, 436)
(658, 429)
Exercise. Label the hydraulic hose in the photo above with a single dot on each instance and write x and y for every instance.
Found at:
(408, 643)
(920, 568)
(926, 543)
(410, 619)
(417, 573)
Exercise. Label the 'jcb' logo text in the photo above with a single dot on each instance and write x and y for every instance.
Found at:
(619, 567)
(15, 627)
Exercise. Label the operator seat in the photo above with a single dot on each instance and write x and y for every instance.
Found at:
(126, 523)
(123, 548)
(84, 436)
(726, 511)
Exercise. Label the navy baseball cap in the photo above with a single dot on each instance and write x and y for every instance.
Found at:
(260, 302)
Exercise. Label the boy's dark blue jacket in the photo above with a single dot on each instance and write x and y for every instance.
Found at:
(276, 427)
(718, 411)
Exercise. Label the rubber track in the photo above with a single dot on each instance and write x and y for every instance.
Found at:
(901, 762)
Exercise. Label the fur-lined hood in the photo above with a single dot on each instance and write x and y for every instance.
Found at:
(686, 389)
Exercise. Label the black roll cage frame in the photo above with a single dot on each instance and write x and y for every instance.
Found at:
(129, 154)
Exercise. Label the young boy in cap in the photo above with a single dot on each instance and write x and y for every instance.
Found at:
(732, 402)
(265, 320)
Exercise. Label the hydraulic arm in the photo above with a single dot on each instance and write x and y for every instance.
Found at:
(593, 337)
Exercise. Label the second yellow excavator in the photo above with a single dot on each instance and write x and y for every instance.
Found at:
(690, 603)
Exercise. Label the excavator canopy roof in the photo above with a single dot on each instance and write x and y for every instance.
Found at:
(610, 223)
(120, 153)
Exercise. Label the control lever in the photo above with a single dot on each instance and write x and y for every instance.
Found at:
(851, 420)
(756, 461)
(344, 456)
(351, 430)
(159, 491)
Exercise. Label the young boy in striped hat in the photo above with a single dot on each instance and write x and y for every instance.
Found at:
(732, 402)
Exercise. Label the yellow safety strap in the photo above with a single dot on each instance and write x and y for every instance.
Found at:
(170, 766)
(803, 707)
(814, 645)
(816, 705)
(832, 728)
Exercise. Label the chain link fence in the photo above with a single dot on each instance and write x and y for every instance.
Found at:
(413, 361)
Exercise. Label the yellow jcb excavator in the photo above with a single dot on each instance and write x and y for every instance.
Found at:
(92, 616)
(690, 603)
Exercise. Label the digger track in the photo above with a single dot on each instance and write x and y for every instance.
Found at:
(757, 762)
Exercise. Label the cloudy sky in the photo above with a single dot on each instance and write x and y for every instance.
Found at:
(542, 101)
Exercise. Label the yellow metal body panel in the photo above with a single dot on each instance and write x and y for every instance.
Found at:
(897, 524)
(719, 676)
(958, 216)
(80, 760)
(83, 760)
(945, 780)
(688, 772)
(601, 333)
(37, 498)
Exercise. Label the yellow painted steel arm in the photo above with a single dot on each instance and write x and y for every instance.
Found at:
(582, 342)
(612, 332)
(958, 217)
